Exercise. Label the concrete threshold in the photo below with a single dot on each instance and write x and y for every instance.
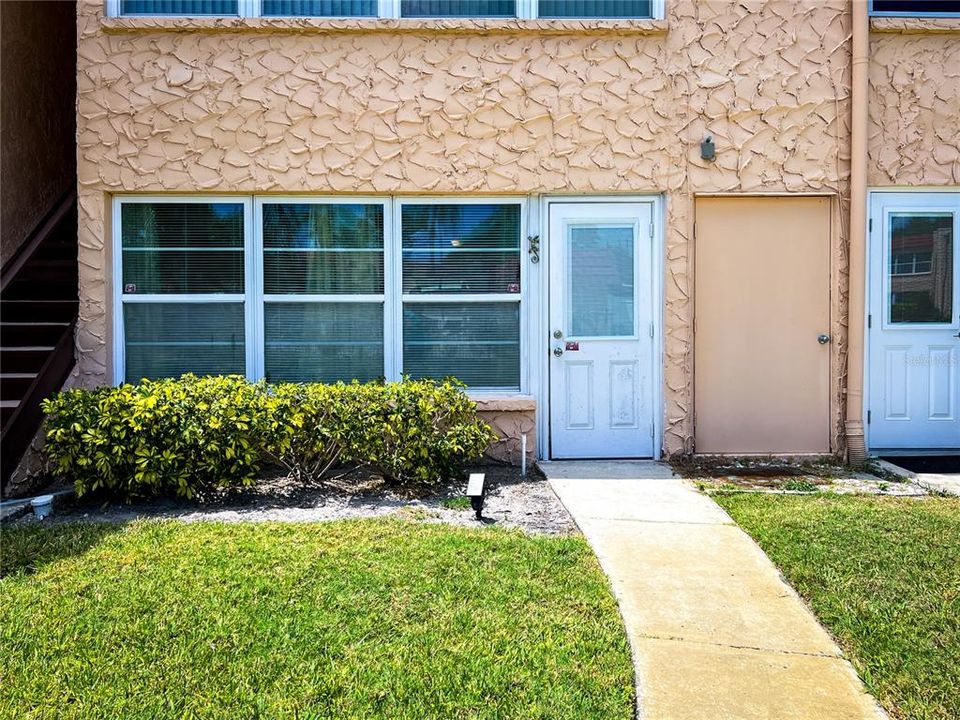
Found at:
(714, 629)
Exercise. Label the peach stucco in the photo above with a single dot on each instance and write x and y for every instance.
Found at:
(495, 107)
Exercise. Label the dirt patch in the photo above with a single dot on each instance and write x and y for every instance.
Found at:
(512, 501)
(778, 475)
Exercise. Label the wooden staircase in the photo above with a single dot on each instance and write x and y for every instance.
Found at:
(38, 313)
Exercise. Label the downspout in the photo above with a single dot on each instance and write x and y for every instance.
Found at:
(856, 448)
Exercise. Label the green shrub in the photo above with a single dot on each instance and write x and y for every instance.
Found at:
(160, 437)
(415, 431)
(180, 437)
(315, 428)
(427, 431)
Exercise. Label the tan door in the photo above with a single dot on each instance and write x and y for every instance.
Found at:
(762, 349)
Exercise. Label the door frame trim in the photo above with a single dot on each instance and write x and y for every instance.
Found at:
(868, 286)
(541, 319)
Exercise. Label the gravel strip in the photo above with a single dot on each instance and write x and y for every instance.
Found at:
(525, 503)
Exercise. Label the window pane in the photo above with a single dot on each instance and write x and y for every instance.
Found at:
(322, 249)
(169, 339)
(921, 268)
(595, 9)
(321, 8)
(323, 342)
(916, 7)
(178, 7)
(600, 286)
(461, 248)
(478, 343)
(182, 247)
(458, 8)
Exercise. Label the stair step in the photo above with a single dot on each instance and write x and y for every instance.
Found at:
(7, 408)
(20, 334)
(41, 277)
(39, 310)
(39, 289)
(24, 359)
(13, 386)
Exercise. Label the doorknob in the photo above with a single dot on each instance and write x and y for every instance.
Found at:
(557, 351)
(823, 338)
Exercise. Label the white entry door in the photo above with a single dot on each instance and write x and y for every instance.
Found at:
(914, 321)
(601, 330)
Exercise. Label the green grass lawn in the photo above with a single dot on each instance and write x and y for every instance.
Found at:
(883, 575)
(355, 619)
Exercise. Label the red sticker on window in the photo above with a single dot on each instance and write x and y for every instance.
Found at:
(513, 288)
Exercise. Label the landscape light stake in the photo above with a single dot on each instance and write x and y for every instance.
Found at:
(476, 490)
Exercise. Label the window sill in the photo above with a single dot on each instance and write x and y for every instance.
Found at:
(289, 25)
(915, 25)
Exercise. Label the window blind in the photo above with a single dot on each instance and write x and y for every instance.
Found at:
(169, 339)
(467, 252)
(179, 7)
(182, 248)
(320, 8)
(322, 249)
(478, 343)
(595, 8)
(323, 342)
(461, 249)
(457, 8)
(326, 250)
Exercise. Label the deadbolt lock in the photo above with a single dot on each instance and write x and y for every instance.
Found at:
(557, 334)
(823, 338)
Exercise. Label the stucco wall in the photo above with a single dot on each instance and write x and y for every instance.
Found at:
(471, 108)
(914, 112)
(37, 114)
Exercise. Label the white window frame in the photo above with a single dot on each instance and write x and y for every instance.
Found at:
(253, 297)
(384, 298)
(390, 9)
(464, 298)
(120, 298)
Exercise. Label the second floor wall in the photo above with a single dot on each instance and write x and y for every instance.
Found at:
(453, 106)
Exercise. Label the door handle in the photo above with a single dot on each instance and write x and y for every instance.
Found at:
(557, 351)
(957, 335)
(823, 338)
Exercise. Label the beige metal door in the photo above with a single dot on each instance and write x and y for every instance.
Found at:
(762, 344)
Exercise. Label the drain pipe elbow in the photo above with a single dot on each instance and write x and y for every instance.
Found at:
(856, 445)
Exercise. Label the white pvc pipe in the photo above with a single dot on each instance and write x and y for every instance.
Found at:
(523, 455)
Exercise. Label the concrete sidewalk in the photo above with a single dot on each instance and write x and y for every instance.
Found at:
(715, 632)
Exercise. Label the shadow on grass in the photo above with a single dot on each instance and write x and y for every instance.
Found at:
(27, 548)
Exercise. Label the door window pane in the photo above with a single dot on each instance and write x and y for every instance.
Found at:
(322, 249)
(323, 342)
(461, 248)
(595, 9)
(168, 339)
(320, 8)
(600, 271)
(478, 343)
(457, 8)
(182, 248)
(178, 7)
(921, 268)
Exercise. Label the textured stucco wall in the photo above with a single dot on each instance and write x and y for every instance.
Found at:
(472, 109)
(510, 418)
(914, 111)
(37, 114)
